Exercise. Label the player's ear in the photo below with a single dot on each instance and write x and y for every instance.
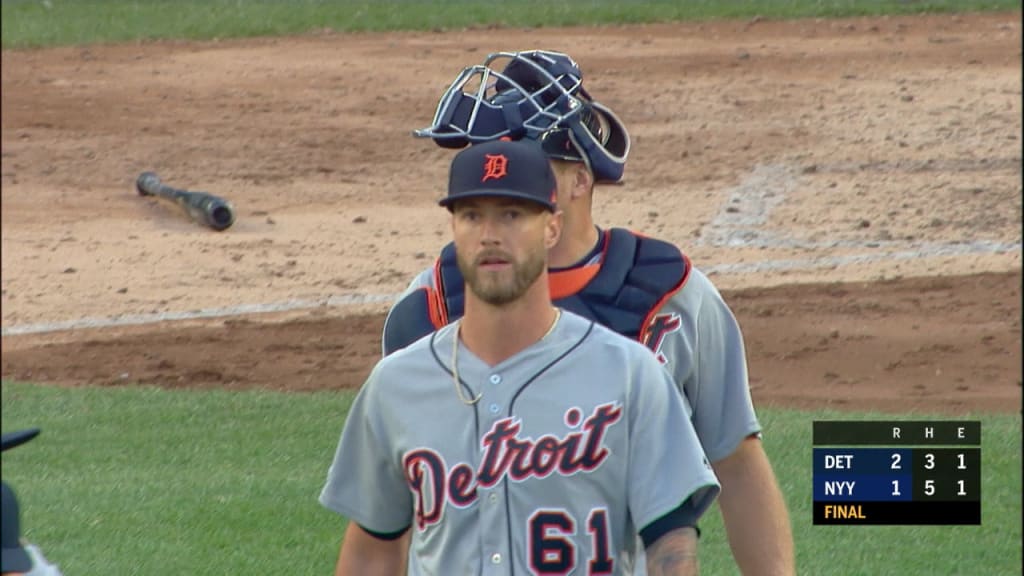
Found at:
(583, 181)
(553, 229)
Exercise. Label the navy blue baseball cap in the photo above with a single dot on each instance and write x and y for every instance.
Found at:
(502, 169)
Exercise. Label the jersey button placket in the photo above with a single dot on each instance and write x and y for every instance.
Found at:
(493, 408)
(494, 530)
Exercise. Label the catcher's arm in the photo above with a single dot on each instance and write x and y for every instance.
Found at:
(754, 510)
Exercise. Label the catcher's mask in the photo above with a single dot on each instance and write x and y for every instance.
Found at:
(537, 95)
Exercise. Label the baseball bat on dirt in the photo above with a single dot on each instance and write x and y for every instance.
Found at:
(201, 207)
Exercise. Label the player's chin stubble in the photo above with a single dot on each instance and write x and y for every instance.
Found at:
(495, 288)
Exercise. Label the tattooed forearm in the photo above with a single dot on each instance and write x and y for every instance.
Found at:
(674, 554)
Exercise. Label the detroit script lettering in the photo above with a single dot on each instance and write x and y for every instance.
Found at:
(506, 454)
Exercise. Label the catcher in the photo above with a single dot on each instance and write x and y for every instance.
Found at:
(641, 287)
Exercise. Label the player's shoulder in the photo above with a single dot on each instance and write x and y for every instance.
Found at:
(699, 280)
(416, 356)
(614, 357)
(695, 288)
(653, 242)
(399, 308)
(410, 315)
(639, 249)
(696, 292)
(607, 339)
(425, 278)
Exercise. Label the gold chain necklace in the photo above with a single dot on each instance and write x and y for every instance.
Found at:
(455, 358)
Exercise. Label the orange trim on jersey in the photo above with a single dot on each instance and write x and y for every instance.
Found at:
(433, 313)
(668, 295)
(565, 283)
(433, 307)
(435, 299)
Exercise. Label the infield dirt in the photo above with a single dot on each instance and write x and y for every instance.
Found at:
(852, 186)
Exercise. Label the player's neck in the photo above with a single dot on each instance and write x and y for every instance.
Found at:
(579, 235)
(496, 333)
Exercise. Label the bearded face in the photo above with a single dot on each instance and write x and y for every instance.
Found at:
(501, 246)
(499, 278)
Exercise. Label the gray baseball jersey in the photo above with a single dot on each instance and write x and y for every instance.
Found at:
(553, 471)
(696, 337)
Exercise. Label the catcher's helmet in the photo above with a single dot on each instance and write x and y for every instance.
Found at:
(536, 94)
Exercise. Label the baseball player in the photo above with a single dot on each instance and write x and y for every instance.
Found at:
(641, 287)
(19, 558)
(521, 438)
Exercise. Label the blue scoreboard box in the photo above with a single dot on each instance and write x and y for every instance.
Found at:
(897, 472)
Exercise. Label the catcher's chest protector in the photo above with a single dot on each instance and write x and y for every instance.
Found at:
(636, 277)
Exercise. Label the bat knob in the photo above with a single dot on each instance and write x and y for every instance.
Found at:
(147, 181)
(221, 216)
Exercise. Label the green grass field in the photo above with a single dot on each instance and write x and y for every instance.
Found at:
(57, 22)
(153, 482)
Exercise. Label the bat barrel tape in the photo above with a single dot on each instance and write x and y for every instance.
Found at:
(202, 207)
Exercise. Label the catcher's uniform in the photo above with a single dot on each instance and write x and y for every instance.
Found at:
(642, 288)
(573, 445)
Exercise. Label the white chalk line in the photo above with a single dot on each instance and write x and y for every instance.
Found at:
(353, 299)
(853, 259)
(227, 311)
(747, 208)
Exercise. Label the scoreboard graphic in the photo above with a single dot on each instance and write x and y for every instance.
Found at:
(897, 472)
